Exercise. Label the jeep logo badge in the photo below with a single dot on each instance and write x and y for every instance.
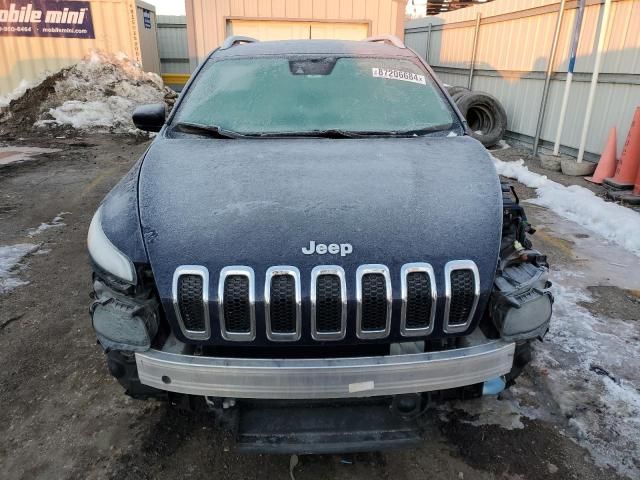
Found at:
(343, 249)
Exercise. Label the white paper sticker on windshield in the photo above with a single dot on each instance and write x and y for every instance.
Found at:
(398, 75)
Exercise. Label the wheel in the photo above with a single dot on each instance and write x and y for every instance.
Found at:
(458, 95)
(485, 116)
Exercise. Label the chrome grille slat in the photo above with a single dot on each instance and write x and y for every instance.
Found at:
(190, 301)
(419, 299)
(462, 292)
(375, 302)
(328, 303)
(236, 304)
(282, 302)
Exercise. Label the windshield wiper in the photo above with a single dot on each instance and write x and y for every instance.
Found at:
(426, 130)
(331, 133)
(335, 133)
(211, 130)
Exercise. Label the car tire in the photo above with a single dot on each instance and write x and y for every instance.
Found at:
(458, 95)
(485, 116)
(457, 89)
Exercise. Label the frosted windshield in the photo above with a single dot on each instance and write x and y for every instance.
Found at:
(289, 95)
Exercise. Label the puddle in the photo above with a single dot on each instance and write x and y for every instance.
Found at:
(10, 155)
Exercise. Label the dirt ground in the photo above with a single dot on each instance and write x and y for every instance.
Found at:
(64, 416)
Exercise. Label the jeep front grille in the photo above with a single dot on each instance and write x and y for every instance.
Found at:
(282, 299)
(328, 303)
(419, 298)
(373, 294)
(191, 300)
(329, 318)
(462, 290)
(236, 303)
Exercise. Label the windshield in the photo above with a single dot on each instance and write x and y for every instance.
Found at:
(275, 95)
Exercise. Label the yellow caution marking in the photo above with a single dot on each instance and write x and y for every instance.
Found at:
(175, 78)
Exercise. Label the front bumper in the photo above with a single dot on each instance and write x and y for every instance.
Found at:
(324, 378)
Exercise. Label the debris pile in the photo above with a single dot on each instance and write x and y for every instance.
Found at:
(97, 94)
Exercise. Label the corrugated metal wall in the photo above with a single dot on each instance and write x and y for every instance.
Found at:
(29, 58)
(206, 19)
(514, 43)
(172, 44)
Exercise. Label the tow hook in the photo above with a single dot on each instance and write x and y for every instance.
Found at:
(407, 405)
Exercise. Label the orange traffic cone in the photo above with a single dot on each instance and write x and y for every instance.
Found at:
(627, 168)
(632, 198)
(607, 164)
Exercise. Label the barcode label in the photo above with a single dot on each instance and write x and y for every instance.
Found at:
(391, 74)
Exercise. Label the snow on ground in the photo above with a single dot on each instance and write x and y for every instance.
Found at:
(592, 368)
(580, 205)
(55, 223)
(10, 258)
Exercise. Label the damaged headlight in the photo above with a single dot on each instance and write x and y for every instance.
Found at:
(124, 313)
(106, 255)
(123, 322)
(521, 302)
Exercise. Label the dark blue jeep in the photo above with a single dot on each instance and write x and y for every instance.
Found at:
(314, 249)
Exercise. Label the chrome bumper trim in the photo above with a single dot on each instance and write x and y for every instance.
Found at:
(324, 378)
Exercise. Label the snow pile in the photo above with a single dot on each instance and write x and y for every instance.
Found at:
(96, 94)
(580, 205)
(100, 94)
(55, 223)
(10, 257)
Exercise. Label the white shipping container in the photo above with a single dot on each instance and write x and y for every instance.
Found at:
(115, 30)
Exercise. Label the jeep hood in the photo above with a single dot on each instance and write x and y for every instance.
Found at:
(258, 202)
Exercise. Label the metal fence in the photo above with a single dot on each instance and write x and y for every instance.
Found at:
(513, 42)
(173, 49)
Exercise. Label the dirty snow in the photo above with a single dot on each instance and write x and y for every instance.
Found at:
(56, 222)
(580, 205)
(10, 258)
(17, 92)
(100, 94)
(591, 365)
(506, 413)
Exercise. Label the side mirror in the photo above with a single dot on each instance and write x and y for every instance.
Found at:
(150, 118)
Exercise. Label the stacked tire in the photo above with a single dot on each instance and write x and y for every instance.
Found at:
(485, 114)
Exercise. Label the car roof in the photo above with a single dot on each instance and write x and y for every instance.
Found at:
(312, 47)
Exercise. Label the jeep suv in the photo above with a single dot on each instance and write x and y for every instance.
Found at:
(314, 250)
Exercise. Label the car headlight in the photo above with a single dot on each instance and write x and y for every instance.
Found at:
(106, 255)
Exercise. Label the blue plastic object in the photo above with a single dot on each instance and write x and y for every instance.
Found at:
(493, 386)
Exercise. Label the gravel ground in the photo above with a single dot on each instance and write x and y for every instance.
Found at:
(64, 416)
